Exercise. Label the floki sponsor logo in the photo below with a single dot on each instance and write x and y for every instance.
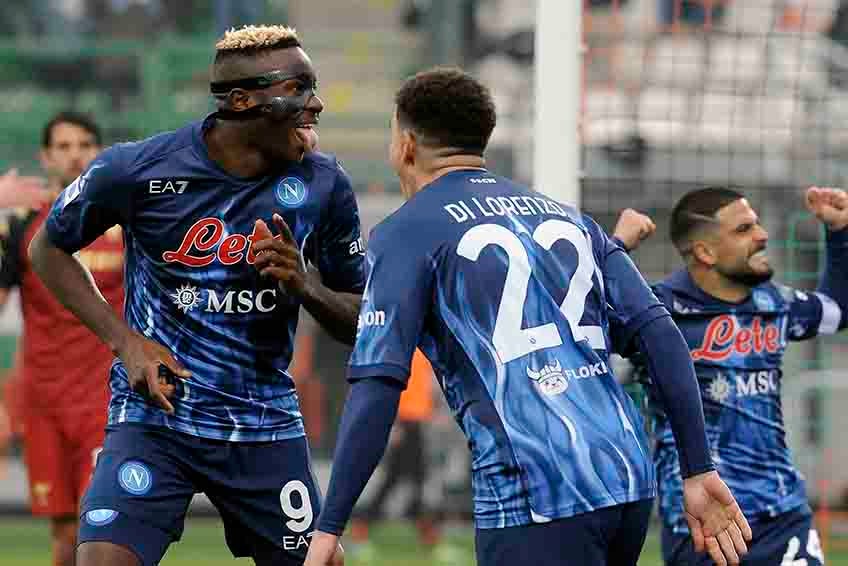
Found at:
(552, 379)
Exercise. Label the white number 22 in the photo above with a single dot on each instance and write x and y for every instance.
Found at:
(510, 340)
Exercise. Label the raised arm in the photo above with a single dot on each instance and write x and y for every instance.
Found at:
(830, 206)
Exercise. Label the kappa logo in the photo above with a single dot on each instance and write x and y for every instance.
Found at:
(135, 478)
(291, 192)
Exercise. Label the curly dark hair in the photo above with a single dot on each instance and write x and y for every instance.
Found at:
(447, 108)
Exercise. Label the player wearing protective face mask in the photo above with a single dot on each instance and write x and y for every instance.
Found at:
(201, 396)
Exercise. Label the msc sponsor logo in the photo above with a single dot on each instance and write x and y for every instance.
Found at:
(725, 337)
(291, 192)
(204, 242)
(188, 297)
(243, 301)
(100, 517)
(750, 384)
(135, 478)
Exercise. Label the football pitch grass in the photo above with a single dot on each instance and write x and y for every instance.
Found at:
(25, 542)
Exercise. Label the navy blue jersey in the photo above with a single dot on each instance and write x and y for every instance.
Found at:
(737, 350)
(507, 294)
(190, 280)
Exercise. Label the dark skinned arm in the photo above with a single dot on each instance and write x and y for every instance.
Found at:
(279, 257)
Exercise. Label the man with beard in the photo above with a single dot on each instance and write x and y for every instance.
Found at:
(737, 322)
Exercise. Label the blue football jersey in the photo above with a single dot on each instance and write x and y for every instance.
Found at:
(737, 350)
(190, 281)
(508, 295)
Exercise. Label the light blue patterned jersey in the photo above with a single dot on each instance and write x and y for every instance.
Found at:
(507, 293)
(191, 284)
(737, 350)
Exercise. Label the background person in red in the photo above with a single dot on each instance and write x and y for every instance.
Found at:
(63, 392)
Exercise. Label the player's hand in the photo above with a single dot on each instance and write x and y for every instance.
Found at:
(829, 205)
(715, 519)
(324, 550)
(280, 257)
(633, 227)
(22, 192)
(142, 359)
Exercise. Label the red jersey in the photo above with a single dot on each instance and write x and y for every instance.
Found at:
(64, 365)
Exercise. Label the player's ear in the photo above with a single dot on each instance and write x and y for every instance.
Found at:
(704, 252)
(238, 99)
(408, 146)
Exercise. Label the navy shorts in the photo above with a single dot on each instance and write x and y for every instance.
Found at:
(145, 478)
(612, 536)
(784, 539)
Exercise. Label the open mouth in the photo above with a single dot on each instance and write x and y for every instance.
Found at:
(304, 131)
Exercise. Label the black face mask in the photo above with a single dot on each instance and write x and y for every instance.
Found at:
(278, 108)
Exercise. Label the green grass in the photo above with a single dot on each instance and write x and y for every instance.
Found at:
(25, 542)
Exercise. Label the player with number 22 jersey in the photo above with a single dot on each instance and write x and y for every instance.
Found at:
(512, 297)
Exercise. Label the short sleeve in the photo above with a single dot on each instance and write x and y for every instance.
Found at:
(811, 314)
(12, 233)
(395, 304)
(90, 205)
(341, 253)
(632, 303)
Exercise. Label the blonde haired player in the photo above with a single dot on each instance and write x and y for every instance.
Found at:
(202, 399)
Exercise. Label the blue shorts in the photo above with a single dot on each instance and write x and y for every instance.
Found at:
(610, 536)
(146, 476)
(779, 540)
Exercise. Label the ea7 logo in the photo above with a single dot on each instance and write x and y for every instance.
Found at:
(158, 186)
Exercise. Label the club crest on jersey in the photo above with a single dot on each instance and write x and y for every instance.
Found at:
(291, 192)
(763, 300)
(725, 336)
(550, 379)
